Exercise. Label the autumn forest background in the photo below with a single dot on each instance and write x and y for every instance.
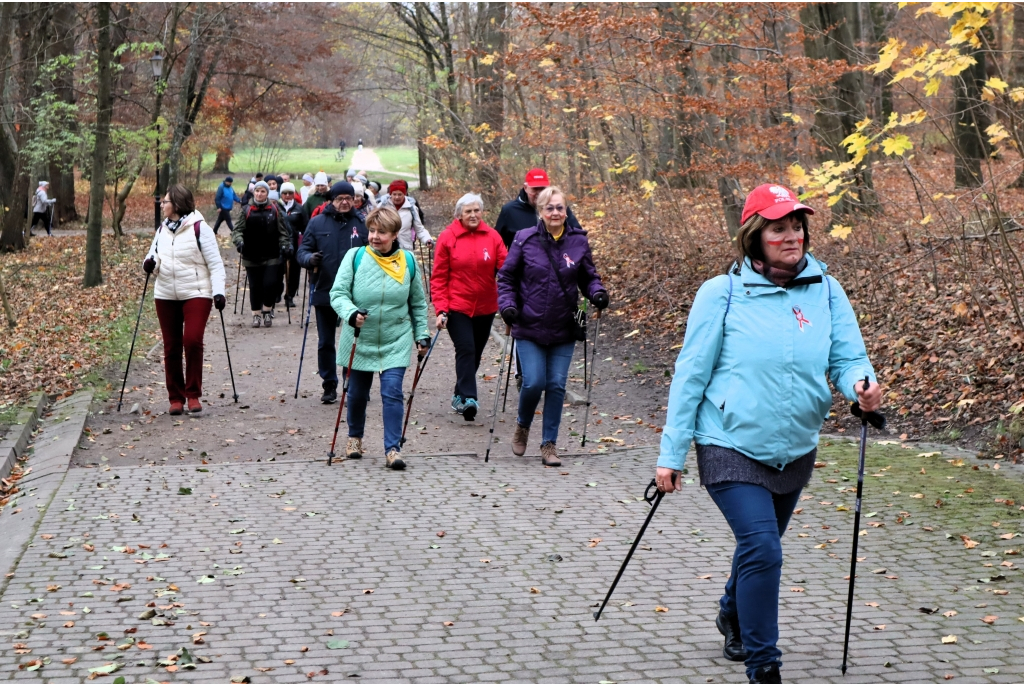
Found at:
(902, 125)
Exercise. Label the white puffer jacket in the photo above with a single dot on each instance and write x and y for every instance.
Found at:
(185, 267)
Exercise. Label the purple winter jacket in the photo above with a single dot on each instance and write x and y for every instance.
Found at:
(527, 282)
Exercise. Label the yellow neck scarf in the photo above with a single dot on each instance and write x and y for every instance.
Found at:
(393, 266)
(561, 232)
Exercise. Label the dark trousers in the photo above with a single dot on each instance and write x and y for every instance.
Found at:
(222, 216)
(326, 350)
(758, 519)
(263, 286)
(43, 217)
(182, 324)
(469, 333)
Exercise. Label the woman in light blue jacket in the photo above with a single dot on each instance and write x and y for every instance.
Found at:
(751, 390)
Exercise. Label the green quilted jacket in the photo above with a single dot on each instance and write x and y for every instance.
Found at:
(396, 313)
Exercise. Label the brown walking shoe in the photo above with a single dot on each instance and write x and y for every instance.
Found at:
(519, 440)
(393, 460)
(354, 448)
(549, 455)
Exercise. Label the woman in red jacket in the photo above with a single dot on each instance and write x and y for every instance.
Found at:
(465, 293)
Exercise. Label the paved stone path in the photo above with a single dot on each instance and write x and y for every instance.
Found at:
(280, 570)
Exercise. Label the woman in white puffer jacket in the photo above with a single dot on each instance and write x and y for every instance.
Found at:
(189, 273)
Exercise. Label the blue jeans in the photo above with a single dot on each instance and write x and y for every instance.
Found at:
(758, 520)
(326, 353)
(545, 368)
(359, 385)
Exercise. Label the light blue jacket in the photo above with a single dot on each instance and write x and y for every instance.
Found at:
(756, 379)
(226, 197)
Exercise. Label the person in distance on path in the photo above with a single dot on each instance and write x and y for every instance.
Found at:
(225, 200)
(328, 238)
(521, 212)
(538, 288)
(319, 196)
(750, 389)
(295, 222)
(412, 225)
(189, 273)
(42, 207)
(468, 256)
(263, 241)
(380, 280)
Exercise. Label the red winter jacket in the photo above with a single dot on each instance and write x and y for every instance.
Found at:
(465, 265)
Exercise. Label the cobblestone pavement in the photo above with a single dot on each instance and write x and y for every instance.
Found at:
(289, 570)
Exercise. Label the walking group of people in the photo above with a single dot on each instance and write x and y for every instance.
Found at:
(751, 384)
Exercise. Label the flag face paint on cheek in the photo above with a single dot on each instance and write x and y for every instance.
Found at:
(776, 243)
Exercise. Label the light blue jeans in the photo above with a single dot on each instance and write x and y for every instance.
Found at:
(545, 369)
(391, 397)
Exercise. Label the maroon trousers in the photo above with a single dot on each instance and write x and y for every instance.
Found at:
(182, 324)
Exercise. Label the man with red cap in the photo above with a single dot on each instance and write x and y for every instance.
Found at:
(412, 221)
(521, 212)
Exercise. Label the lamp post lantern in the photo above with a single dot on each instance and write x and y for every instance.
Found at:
(157, 63)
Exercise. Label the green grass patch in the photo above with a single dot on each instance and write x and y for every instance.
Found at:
(958, 496)
(113, 341)
(298, 161)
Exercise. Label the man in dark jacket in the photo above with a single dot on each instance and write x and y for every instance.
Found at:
(295, 221)
(328, 236)
(225, 200)
(521, 212)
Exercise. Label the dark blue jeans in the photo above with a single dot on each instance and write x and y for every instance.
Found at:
(545, 369)
(359, 385)
(326, 352)
(758, 520)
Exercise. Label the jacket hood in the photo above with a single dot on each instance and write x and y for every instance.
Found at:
(195, 216)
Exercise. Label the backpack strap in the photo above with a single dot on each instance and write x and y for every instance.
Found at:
(410, 263)
(195, 227)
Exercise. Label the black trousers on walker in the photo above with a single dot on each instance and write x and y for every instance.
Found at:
(469, 333)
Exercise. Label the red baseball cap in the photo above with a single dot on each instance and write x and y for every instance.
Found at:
(773, 202)
(537, 178)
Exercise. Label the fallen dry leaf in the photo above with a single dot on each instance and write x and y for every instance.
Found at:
(594, 542)
(534, 591)
(796, 589)
(69, 624)
(881, 627)
(704, 577)
(989, 619)
(440, 533)
(69, 660)
(949, 614)
(871, 604)
(485, 561)
(661, 610)
(368, 591)
(337, 613)
(949, 640)
(449, 623)
(289, 661)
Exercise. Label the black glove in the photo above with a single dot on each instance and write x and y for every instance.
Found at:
(352, 318)
(509, 315)
(316, 259)
(149, 265)
(240, 246)
(219, 302)
(421, 347)
(287, 252)
(600, 299)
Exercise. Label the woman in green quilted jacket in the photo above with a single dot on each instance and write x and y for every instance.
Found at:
(380, 280)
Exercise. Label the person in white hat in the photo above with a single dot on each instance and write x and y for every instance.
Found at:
(320, 194)
(41, 208)
(307, 187)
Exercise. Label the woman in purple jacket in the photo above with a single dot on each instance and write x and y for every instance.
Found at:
(547, 266)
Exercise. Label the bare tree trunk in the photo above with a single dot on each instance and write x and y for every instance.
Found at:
(32, 30)
(62, 170)
(97, 184)
(192, 94)
(491, 96)
(832, 33)
(970, 119)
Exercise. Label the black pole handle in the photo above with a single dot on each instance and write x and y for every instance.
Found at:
(364, 313)
(874, 418)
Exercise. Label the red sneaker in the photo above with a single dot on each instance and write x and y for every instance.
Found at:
(194, 407)
(176, 409)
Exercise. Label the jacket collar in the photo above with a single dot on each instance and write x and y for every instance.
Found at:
(542, 231)
(813, 273)
(522, 198)
(459, 230)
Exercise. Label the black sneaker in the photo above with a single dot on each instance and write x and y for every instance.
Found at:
(769, 673)
(330, 395)
(289, 302)
(729, 627)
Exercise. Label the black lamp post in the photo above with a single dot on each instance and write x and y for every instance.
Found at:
(157, 62)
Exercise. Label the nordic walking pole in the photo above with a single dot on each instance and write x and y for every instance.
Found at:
(877, 421)
(305, 286)
(245, 284)
(287, 272)
(512, 354)
(227, 351)
(305, 333)
(494, 414)
(347, 372)
(590, 382)
(654, 499)
(420, 365)
(238, 282)
(128, 364)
